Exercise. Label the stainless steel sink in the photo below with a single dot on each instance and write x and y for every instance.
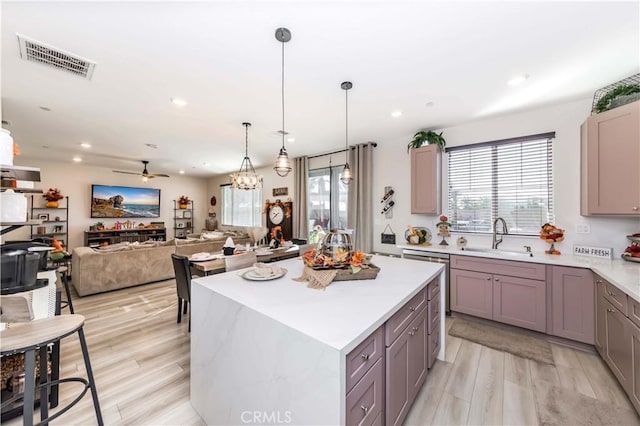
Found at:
(499, 252)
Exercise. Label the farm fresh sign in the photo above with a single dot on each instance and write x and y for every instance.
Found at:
(600, 252)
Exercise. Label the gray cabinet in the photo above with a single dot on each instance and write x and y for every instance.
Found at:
(601, 313)
(425, 180)
(434, 322)
(610, 176)
(364, 401)
(634, 384)
(617, 347)
(406, 369)
(573, 304)
(520, 302)
(506, 291)
(618, 336)
(471, 293)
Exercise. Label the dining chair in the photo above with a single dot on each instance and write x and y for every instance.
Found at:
(183, 284)
(239, 261)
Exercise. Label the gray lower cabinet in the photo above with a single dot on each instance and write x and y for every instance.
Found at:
(573, 304)
(385, 372)
(365, 400)
(507, 291)
(618, 336)
(406, 369)
(601, 313)
(634, 385)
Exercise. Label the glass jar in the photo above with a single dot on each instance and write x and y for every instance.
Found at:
(337, 246)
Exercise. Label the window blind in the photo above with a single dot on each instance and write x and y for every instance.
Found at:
(511, 179)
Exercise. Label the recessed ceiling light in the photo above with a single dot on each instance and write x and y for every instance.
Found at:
(152, 145)
(291, 140)
(44, 108)
(181, 172)
(396, 113)
(518, 80)
(85, 145)
(205, 164)
(430, 104)
(77, 159)
(179, 102)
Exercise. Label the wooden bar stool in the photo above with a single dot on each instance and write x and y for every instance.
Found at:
(37, 335)
(63, 272)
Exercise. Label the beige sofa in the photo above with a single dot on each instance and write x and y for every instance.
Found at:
(95, 271)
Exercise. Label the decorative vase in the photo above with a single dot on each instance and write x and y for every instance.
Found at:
(52, 204)
(183, 206)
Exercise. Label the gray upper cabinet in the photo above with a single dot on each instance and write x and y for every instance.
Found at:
(425, 180)
(610, 149)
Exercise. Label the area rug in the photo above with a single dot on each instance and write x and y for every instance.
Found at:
(558, 406)
(519, 344)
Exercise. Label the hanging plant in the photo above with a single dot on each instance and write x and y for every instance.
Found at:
(429, 137)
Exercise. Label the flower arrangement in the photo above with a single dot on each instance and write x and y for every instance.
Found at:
(183, 199)
(357, 261)
(53, 194)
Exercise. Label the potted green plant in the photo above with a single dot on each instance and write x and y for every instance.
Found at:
(606, 102)
(429, 137)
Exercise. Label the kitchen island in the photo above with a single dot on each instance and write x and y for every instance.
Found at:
(275, 351)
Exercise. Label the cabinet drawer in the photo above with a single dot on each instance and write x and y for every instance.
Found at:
(634, 311)
(434, 313)
(616, 297)
(401, 319)
(364, 402)
(433, 289)
(535, 271)
(363, 357)
(433, 344)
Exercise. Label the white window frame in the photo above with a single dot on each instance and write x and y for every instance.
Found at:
(510, 178)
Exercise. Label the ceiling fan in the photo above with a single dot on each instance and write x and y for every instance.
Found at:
(145, 173)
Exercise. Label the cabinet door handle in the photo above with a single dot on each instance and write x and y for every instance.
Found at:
(610, 310)
(488, 278)
(497, 280)
(412, 332)
(412, 309)
(365, 409)
(365, 356)
(611, 293)
(634, 208)
(599, 282)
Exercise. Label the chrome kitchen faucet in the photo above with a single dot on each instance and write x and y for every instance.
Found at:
(505, 231)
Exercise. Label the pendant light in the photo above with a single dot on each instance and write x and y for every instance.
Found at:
(346, 177)
(283, 165)
(246, 177)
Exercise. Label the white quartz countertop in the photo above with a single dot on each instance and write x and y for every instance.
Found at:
(340, 316)
(624, 275)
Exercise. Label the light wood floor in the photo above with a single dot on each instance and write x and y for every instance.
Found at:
(140, 359)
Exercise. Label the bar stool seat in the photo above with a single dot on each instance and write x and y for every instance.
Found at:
(35, 335)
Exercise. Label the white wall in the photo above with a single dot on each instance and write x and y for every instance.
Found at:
(392, 167)
(75, 181)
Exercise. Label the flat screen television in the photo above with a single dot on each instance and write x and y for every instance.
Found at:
(123, 201)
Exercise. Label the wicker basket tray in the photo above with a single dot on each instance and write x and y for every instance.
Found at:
(369, 273)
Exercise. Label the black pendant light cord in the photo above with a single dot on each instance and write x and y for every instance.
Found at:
(283, 132)
(346, 133)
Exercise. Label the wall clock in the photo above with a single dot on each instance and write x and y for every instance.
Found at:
(279, 214)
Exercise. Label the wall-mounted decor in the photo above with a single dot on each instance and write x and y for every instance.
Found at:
(280, 191)
(388, 203)
(186, 214)
(123, 201)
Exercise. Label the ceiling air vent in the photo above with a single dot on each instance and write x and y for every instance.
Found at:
(36, 51)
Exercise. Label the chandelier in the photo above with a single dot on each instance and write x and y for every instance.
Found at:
(246, 178)
(283, 165)
(346, 177)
